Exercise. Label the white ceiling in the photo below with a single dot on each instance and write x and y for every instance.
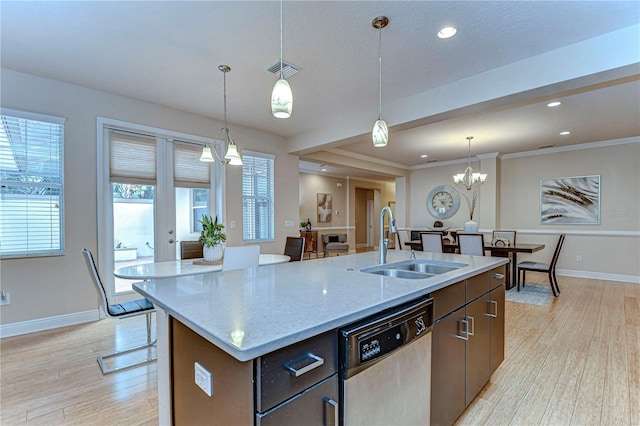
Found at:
(168, 53)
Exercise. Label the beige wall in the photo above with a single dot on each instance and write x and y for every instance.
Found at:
(344, 202)
(608, 250)
(55, 286)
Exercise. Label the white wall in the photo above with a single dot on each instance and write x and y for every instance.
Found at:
(610, 250)
(57, 286)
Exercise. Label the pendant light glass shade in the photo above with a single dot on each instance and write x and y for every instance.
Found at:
(232, 155)
(380, 133)
(281, 99)
(206, 154)
(281, 95)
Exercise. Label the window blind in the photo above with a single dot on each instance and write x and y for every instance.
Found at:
(132, 158)
(188, 170)
(31, 178)
(257, 197)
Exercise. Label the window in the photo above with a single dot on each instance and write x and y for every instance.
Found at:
(257, 197)
(31, 179)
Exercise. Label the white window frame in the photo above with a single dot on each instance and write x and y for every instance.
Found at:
(245, 212)
(34, 251)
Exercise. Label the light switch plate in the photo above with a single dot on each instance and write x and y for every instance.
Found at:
(203, 379)
(289, 224)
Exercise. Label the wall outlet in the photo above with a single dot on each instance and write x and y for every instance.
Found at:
(203, 379)
(232, 225)
(578, 258)
(5, 299)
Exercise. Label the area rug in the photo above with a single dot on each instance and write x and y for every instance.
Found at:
(532, 294)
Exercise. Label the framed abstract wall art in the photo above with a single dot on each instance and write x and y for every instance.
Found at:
(325, 204)
(570, 200)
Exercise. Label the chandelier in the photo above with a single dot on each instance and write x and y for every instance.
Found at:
(233, 155)
(469, 177)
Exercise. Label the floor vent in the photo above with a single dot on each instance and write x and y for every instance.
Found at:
(287, 69)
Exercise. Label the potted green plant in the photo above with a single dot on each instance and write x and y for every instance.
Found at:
(212, 237)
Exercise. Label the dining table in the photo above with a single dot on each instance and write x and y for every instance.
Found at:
(179, 268)
(495, 250)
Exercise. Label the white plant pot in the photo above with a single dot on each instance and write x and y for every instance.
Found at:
(471, 227)
(212, 253)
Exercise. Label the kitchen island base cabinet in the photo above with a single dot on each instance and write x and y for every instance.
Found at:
(468, 344)
(291, 386)
(231, 402)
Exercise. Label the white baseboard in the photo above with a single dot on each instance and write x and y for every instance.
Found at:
(599, 276)
(41, 324)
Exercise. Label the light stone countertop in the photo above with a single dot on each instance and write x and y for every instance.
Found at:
(249, 313)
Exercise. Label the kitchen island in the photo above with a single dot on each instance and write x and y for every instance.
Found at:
(248, 314)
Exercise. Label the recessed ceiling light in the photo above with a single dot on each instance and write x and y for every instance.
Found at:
(565, 133)
(554, 104)
(447, 32)
(424, 156)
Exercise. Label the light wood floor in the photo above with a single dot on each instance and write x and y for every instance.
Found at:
(576, 361)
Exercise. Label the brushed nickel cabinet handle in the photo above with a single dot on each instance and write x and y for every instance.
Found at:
(332, 406)
(465, 330)
(498, 276)
(300, 366)
(495, 311)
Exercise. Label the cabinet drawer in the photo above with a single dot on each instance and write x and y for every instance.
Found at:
(447, 300)
(477, 286)
(315, 406)
(497, 277)
(287, 372)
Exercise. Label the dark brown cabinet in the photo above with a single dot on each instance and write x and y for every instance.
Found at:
(468, 343)
(310, 243)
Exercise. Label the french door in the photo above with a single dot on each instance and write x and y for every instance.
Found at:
(152, 191)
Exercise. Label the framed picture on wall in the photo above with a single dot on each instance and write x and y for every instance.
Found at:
(325, 206)
(570, 200)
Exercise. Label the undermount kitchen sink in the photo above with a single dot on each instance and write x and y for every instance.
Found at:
(414, 269)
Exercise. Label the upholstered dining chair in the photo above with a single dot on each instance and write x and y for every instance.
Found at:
(549, 268)
(241, 257)
(294, 248)
(472, 244)
(403, 237)
(191, 250)
(119, 311)
(432, 242)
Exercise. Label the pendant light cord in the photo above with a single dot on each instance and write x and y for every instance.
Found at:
(379, 73)
(281, 30)
(226, 130)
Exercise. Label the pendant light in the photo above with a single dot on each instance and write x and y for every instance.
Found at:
(232, 156)
(380, 134)
(281, 96)
(469, 177)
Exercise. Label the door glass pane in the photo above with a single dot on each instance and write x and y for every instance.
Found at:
(191, 204)
(133, 227)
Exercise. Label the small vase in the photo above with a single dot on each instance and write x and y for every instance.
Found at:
(471, 227)
(212, 253)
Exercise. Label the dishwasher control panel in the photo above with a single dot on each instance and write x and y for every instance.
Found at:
(368, 341)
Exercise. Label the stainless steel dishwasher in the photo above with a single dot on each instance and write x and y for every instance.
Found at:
(385, 367)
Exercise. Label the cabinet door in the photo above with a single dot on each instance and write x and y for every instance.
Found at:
(315, 406)
(477, 350)
(496, 317)
(448, 369)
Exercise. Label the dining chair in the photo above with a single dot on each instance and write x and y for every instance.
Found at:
(472, 244)
(294, 248)
(403, 237)
(120, 311)
(191, 250)
(507, 235)
(432, 242)
(241, 257)
(549, 268)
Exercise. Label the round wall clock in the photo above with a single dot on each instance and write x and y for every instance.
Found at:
(443, 202)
